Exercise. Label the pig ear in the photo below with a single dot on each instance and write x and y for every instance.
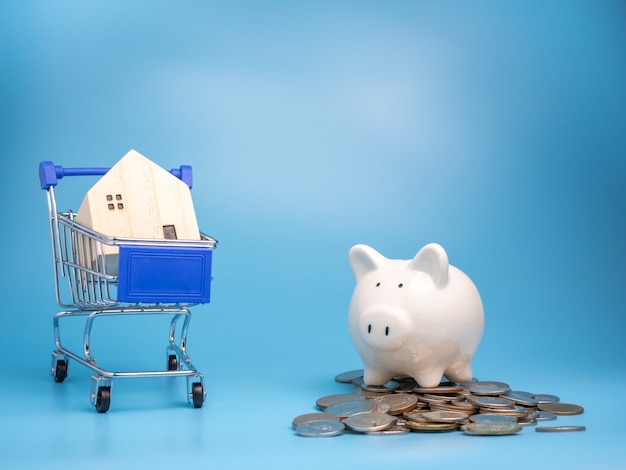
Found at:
(364, 259)
(432, 259)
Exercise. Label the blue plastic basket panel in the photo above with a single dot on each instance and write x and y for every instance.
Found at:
(154, 274)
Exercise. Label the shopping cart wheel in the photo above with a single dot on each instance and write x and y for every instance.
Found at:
(197, 395)
(103, 399)
(60, 370)
(172, 362)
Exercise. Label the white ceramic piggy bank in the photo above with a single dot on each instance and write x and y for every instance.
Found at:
(420, 317)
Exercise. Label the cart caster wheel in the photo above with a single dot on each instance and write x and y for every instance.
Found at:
(197, 394)
(172, 362)
(103, 399)
(60, 370)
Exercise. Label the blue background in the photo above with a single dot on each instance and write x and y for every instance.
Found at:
(497, 129)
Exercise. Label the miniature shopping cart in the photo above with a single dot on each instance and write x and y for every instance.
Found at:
(148, 277)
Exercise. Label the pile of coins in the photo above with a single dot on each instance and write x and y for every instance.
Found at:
(401, 406)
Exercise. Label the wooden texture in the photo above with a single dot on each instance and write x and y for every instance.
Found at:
(138, 199)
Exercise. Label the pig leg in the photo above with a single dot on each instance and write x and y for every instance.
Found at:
(428, 378)
(460, 371)
(372, 376)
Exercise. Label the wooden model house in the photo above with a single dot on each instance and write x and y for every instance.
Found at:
(138, 199)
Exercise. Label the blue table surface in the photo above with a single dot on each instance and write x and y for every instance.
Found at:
(493, 128)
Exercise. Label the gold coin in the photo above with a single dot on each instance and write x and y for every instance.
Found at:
(444, 416)
(398, 403)
(430, 427)
(561, 408)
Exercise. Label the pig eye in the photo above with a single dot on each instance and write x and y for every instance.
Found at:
(377, 284)
(400, 285)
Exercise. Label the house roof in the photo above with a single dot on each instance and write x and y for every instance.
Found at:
(137, 198)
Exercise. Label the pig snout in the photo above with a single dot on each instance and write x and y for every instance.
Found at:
(383, 329)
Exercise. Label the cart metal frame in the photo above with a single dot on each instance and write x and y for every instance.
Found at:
(87, 285)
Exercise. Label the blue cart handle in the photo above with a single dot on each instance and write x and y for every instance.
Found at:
(50, 174)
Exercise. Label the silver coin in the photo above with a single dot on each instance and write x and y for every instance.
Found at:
(490, 428)
(521, 399)
(368, 422)
(445, 416)
(349, 408)
(348, 377)
(491, 402)
(532, 413)
(546, 398)
(559, 428)
(545, 416)
(313, 417)
(320, 428)
(489, 388)
(358, 382)
(481, 418)
(324, 402)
